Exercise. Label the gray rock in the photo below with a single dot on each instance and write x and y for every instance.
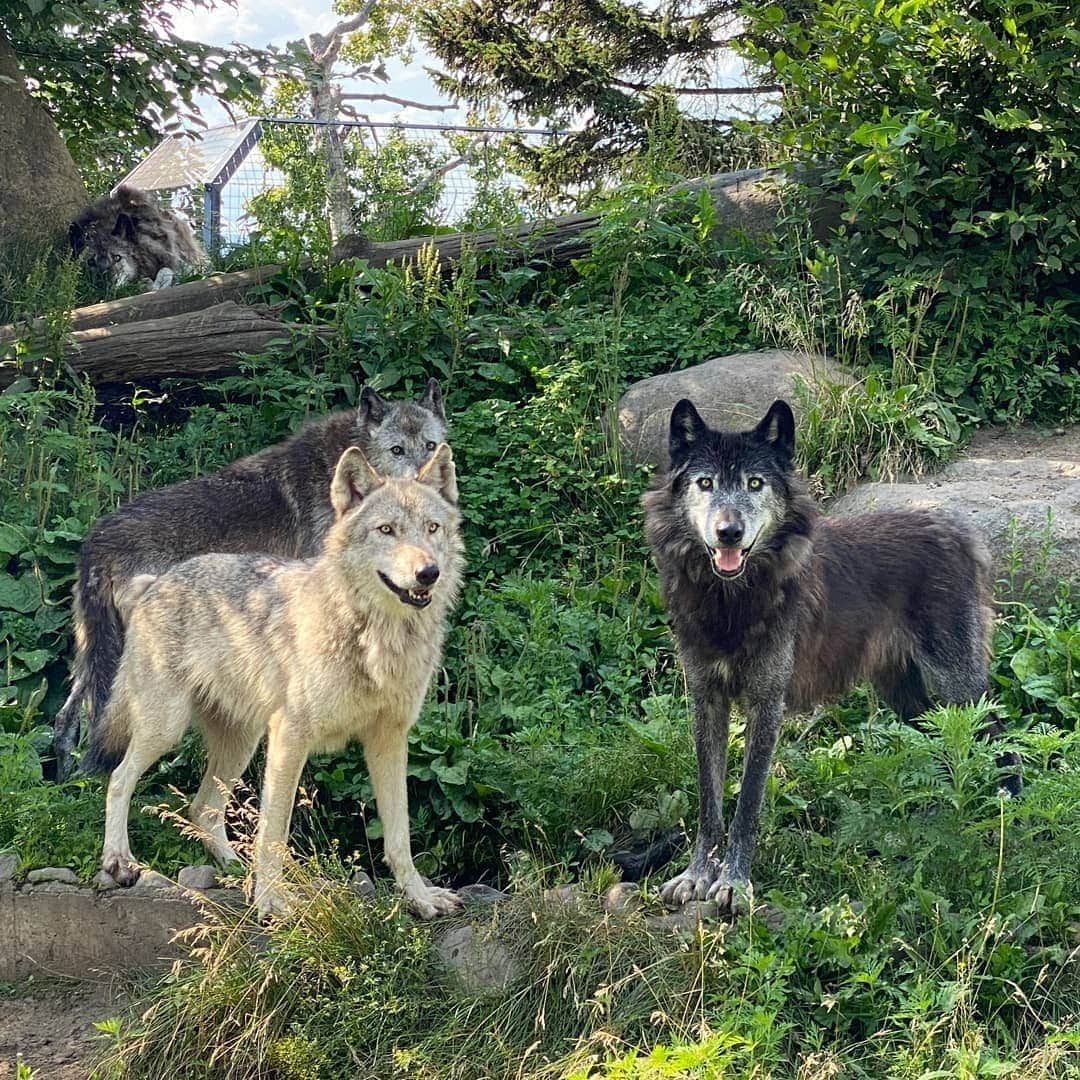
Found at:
(771, 916)
(481, 895)
(622, 898)
(152, 881)
(199, 878)
(9, 863)
(476, 962)
(103, 881)
(1004, 476)
(568, 895)
(731, 392)
(52, 887)
(362, 885)
(52, 873)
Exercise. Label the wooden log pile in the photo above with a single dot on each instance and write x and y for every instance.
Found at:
(198, 327)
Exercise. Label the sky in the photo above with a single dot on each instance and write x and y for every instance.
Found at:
(265, 22)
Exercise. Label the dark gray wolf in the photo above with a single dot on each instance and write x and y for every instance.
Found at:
(311, 653)
(275, 502)
(771, 604)
(127, 236)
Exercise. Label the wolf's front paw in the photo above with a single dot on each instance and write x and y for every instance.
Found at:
(692, 884)
(732, 892)
(431, 902)
(273, 901)
(121, 867)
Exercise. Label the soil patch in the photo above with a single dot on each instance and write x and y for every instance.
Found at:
(50, 1028)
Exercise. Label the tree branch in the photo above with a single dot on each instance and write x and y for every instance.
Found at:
(354, 22)
(771, 88)
(397, 101)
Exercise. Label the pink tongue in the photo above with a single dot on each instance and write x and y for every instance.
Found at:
(727, 558)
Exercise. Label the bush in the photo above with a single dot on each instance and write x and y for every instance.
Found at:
(945, 132)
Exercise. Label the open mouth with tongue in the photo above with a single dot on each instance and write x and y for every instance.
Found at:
(728, 562)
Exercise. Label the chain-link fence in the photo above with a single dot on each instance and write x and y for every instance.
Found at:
(402, 179)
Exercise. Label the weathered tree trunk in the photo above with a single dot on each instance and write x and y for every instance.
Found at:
(40, 188)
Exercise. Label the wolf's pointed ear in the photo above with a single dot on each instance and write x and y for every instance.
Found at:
(354, 480)
(125, 227)
(372, 406)
(438, 472)
(777, 428)
(431, 399)
(687, 428)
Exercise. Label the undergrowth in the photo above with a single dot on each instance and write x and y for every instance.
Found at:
(921, 927)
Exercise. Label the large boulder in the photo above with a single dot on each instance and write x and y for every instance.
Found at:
(731, 392)
(1004, 477)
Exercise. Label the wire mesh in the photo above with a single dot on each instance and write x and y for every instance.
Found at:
(403, 179)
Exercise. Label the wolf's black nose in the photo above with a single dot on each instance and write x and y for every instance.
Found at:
(428, 575)
(729, 532)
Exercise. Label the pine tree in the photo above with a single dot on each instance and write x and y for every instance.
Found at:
(614, 70)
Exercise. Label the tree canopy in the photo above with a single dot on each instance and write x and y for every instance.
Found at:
(115, 76)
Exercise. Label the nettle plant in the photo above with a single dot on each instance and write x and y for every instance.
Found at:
(946, 131)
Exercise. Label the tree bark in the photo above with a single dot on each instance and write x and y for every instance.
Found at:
(189, 343)
(40, 188)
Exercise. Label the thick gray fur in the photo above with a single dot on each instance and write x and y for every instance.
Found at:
(274, 502)
(127, 236)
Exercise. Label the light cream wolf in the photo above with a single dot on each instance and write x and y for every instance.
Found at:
(313, 653)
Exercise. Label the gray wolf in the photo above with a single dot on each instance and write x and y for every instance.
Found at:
(311, 653)
(771, 604)
(127, 236)
(275, 502)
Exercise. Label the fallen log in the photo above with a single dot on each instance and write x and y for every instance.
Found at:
(192, 342)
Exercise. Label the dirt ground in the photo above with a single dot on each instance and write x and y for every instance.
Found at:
(1056, 444)
(50, 1028)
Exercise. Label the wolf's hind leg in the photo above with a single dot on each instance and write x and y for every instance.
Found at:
(957, 674)
(153, 732)
(228, 751)
(902, 688)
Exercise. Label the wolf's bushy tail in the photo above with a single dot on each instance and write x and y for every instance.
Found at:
(99, 641)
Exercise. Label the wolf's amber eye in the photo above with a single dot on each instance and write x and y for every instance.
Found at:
(705, 483)
(386, 530)
(755, 483)
(397, 451)
(430, 446)
(432, 526)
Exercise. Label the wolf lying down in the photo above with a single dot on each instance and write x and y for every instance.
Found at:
(771, 604)
(312, 653)
(127, 236)
(274, 502)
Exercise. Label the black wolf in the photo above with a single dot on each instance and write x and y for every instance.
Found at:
(770, 604)
(127, 236)
(275, 502)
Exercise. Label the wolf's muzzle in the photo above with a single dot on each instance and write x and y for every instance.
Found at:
(417, 598)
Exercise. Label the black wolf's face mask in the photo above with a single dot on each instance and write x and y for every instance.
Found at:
(731, 486)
